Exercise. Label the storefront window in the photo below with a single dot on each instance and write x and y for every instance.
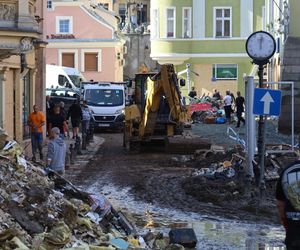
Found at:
(26, 105)
(225, 71)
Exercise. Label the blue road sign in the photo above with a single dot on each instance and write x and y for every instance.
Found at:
(267, 102)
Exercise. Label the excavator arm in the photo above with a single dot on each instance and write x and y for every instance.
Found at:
(163, 84)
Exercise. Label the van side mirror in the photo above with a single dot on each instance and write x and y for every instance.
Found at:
(182, 82)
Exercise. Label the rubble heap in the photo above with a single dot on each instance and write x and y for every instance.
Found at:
(48, 212)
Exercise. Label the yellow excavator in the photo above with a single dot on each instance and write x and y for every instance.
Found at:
(157, 115)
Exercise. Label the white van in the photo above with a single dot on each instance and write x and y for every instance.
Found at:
(63, 77)
(107, 103)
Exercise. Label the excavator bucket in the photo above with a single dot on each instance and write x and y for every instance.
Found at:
(185, 144)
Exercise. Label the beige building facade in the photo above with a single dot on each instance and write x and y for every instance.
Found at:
(20, 47)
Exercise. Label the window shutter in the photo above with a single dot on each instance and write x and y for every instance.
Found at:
(91, 62)
(68, 60)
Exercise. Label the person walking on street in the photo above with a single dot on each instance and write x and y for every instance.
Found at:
(49, 111)
(36, 121)
(86, 117)
(288, 205)
(56, 152)
(239, 104)
(227, 106)
(216, 94)
(62, 109)
(59, 121)
(75, 113)
(64, 114)
(193, 93)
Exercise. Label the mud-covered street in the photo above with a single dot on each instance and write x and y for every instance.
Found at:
(153, 188)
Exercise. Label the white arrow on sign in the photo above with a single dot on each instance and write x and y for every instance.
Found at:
(267, 99)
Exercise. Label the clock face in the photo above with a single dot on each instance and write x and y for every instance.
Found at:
(260, 46)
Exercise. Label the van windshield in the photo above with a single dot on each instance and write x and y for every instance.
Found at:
(104, 97)
(76, 80)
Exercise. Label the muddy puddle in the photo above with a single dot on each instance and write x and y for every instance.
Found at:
(212, 233)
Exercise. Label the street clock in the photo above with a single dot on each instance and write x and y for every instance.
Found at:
(260, 46)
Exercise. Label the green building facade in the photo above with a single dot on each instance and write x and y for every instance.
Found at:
(210, 35)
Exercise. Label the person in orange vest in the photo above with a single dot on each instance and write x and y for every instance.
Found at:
(36, 121)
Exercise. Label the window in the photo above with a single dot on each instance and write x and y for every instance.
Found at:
(64, 25)
(68, 60)
(225, 71)
(142, 13)
(91, 62)
(171, 25)
(263, 18)
(187, 22)
(155, 24)
(26, 105)
(122, 12)
(62, 80)
(49, 5)
(222, 23)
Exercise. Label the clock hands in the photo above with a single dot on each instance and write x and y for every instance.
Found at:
(260, 39)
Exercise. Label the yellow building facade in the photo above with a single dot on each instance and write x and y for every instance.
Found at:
(20, 47)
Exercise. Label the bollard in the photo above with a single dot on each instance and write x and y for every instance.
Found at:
(91, 131)
(78, 146)
(67, 159)
(72, 154)
(84, 141)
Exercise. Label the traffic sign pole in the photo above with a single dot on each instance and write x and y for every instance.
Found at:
(261, 142)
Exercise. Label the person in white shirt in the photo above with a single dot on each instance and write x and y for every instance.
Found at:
(227, 106)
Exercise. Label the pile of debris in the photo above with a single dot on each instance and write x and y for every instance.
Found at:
(219, 177)
(207, 110)
(39, 211)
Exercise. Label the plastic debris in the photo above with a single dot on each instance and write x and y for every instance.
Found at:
(120, 243)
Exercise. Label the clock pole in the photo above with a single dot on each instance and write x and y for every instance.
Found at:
(261, 140)
(261, 46)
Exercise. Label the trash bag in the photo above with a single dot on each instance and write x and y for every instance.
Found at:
(220, 120)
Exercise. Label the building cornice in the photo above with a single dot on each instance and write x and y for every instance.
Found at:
(198, 39)
(178, 59)
(18, 33)
(196, 55)
(80, 45)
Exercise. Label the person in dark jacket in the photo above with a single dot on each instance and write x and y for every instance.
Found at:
(49, 112)
(75, 113)
(56, 152)
(239, 104)
(193, 93)
(58, 120)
